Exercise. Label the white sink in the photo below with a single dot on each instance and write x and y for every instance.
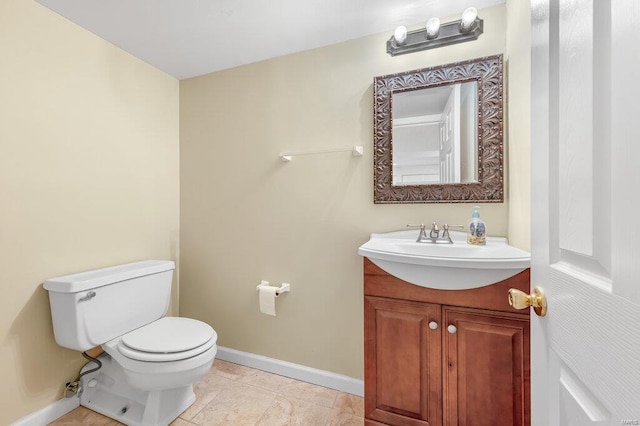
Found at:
(456, 266)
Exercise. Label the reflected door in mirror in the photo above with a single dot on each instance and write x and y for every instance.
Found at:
(434, 138)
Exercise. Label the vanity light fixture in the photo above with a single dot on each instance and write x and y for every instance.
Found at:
(467, 28)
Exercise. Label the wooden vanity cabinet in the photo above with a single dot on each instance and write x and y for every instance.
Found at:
(444, 357)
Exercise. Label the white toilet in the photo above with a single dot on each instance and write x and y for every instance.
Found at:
(150, 361)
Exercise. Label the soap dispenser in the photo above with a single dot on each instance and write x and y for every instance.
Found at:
(477, 231)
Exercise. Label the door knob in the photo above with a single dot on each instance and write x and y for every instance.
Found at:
(521, 300)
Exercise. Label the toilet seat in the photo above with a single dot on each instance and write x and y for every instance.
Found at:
(168, 339)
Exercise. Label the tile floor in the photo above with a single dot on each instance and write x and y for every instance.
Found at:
(235, 395)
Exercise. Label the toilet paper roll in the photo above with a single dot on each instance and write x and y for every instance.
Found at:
(268, 300)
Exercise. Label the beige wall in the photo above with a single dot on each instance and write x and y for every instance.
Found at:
(518, 101)
(88, 178)
(246, 216)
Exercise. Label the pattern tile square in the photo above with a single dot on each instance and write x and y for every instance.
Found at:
(289, 411)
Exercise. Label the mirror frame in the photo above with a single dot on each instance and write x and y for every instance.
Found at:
(488, 72)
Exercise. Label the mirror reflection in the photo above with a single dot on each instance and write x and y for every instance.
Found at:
(434, 135)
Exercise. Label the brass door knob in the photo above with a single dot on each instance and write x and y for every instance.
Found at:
(521, 300)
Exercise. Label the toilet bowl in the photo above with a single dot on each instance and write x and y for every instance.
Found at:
(167, 353)
(150, 360)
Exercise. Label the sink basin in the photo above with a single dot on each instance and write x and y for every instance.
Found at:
(456, 266)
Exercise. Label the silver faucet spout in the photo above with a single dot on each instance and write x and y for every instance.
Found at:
(435, 232)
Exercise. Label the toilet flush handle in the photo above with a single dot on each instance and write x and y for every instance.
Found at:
(90, 295)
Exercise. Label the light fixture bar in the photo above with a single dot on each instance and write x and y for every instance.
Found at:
(449, 34)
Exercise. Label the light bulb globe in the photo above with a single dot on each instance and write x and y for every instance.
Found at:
(468, 18)
(400, 34)
(433, 28)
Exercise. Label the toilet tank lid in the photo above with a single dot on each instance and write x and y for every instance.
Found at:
(92, 279)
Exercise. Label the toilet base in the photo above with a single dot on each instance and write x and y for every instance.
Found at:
(107, 392)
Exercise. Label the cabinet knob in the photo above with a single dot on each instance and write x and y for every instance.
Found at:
(433, 325)
(452, 329)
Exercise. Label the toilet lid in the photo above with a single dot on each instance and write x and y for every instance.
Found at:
(164, 357)
(170, 335)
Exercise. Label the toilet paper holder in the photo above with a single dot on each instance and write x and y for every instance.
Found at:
(284, 288)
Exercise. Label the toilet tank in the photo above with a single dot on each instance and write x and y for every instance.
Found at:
(90, 308)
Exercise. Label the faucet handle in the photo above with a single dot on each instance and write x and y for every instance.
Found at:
(445, 232)
(423, 231)
(422, 227)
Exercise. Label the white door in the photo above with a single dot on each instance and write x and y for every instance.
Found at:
(585, 366)
(450, 138)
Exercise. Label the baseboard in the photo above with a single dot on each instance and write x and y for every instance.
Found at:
(294, 371)
(49, 413)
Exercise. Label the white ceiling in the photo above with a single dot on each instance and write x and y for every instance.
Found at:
(187, 38)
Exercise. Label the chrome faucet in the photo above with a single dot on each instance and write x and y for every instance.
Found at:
(434, 234)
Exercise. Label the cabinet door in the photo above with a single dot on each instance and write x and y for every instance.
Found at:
(486, 377)
(403, 362)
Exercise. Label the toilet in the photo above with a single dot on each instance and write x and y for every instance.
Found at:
(150, 361)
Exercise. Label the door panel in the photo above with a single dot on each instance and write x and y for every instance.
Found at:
(586, 351)
(579, 405)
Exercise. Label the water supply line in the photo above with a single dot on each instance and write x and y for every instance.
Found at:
(74, 388)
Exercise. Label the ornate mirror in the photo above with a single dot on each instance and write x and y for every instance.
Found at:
(438, 134)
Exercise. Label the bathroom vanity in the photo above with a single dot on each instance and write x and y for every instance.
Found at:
(441, 356)
(444, 357)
